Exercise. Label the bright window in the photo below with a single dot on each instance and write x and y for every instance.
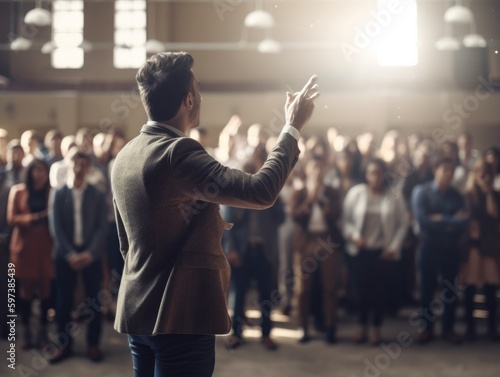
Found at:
(398, 44)
(130, 33)
(67, 33)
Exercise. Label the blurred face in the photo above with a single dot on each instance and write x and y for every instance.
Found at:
(402, 148)
(490, 158)
(16, 157)
(413, 142)
(40, 175)
(56, 144)
(483, 176)
(314, 170)
(443, 175)
(84, 142)
(344, 164)
(375, 177)
(449, 152)
(421, 156)
(80, 167)
(464, 142)
(33, 143)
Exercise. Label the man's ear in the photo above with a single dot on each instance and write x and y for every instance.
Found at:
(189, 101)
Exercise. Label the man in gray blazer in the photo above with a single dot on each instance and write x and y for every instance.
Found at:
(167, 190)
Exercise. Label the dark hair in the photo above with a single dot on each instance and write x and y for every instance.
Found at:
(454, 147)
(28, 179)
(438, 160)
(495, 151)
(13, 144)
(382, 165)
(52, 134)
(164, 81)
(79, 155)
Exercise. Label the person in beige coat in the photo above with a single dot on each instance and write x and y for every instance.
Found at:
(167, 190)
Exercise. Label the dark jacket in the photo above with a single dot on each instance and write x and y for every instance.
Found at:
(489, 227)
(330, 203)
(62, 224)
(268, 220)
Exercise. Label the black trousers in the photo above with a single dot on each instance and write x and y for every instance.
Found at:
(90, 309)
(169, 355)
(373, 277)
(256, 266)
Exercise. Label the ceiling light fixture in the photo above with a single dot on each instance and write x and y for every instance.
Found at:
(458, 14)
(259, 18)
(38, 16)
(20, 44)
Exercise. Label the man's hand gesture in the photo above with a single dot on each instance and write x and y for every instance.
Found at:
(299, 106)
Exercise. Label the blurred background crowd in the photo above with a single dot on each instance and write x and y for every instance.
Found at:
(364, 227)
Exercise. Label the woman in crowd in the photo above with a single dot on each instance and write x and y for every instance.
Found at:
(482, 263)
(345, 178)
(492, 156)
(375, 225)
(31, 245)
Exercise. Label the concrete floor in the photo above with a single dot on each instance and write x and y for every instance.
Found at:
(481, 359)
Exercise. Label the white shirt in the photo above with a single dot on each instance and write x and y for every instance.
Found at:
(77, 193)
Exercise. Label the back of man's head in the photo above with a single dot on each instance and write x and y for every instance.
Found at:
(164, 81)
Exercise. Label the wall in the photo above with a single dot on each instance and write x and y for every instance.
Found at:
(351, 112)
(356, 95)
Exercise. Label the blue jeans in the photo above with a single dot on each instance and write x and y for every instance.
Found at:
(172, 355)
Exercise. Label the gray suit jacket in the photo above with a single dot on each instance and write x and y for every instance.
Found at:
(167, 190)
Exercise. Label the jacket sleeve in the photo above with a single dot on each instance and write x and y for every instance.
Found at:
(98, 243)
(14, 217)
(201, 177)
(56, 205)
(122, 234)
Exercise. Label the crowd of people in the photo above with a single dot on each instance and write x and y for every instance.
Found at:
(370, 229)
(56, 227)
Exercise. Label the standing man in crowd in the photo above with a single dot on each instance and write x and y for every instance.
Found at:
(167, 190)
(440, 212)
(78, 223)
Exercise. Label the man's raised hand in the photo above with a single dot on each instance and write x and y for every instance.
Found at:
(299, 106)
